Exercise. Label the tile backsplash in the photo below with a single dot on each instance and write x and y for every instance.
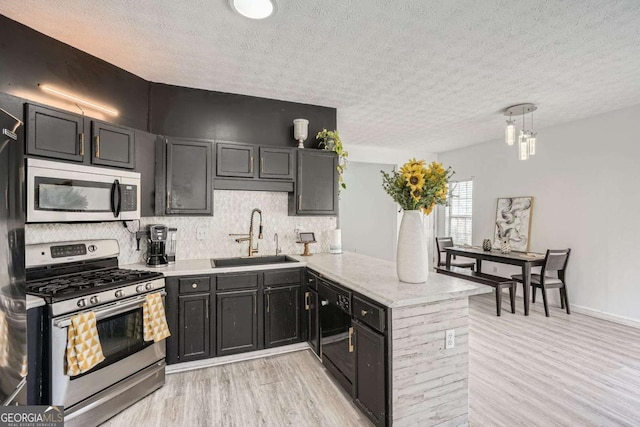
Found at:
(231, 215)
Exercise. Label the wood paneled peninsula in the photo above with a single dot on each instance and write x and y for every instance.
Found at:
(398, 337)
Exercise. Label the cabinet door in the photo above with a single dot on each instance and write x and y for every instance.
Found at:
(235, 160)
(276, 163)
(194, 327)
(189, 177)
(237, 322)
(313, 322)
(317, 183)
(112, 145)
(282, 316)
(55, 134)
(370, 385)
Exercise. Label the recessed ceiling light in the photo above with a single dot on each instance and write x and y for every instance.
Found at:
(254, 9)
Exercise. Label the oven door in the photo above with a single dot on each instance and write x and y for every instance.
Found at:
(120, 329)
(57, 193)
(335, 338)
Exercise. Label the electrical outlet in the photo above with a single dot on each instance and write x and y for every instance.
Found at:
(202, 233)
(450, 339)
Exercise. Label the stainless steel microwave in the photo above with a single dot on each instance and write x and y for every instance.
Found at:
(64, 192)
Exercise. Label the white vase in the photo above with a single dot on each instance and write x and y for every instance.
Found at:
(412, 258)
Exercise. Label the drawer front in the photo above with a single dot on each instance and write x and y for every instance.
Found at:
(194, 284)
(237, 281)
(368, 313)
(286, 277)
(312, 281)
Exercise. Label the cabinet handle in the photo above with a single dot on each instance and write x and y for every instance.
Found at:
(81, 140)
(261, 165)
(251, 164)
(195, 285)
(300, 202)
(207, 308)
(307, 297)
(310, 280)
(268, 301)
(363, 313)
(97, 146)
(351, 339)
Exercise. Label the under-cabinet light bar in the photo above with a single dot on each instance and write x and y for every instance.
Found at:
(79, 100)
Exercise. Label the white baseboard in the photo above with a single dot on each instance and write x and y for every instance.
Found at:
(216, 361)
(606, 316)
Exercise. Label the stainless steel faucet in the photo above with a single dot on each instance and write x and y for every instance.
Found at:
(278, 250)
(249, 237)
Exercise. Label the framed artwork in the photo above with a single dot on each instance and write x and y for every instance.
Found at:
(513, 222)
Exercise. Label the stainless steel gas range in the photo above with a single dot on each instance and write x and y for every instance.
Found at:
(81, 276)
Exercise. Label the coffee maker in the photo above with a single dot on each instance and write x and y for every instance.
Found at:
(157, 246)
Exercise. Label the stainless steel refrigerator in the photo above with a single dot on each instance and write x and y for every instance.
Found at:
(13, 313)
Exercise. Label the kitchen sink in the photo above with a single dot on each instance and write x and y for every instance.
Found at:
(247, 261)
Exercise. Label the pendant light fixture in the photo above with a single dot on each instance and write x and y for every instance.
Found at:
(510, 131)
(526, 138)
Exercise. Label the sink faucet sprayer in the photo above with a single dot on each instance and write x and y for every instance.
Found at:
(249, 237)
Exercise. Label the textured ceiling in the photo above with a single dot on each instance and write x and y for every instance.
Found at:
(422, 75)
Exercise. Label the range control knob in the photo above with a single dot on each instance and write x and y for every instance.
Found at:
(119, 293)
(148, 286)
(82, 303)
(94, 300)
(140, 288)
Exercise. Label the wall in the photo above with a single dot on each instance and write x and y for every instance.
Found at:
(364, 208)
(584, 180)
(232, 210)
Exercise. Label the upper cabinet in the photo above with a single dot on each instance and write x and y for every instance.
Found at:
(254, 168)
(277, 163)
(55, 134)
(61, 135)
(112, 145)
(184, 170)
(235, 160)
(316, 190)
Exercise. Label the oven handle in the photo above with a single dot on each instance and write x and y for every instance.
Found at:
(107, 311)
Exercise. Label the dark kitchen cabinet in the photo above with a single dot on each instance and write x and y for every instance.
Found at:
(313, 320)
(186, 177)
(316, 189)
(236, 322)
(194, 327)
(190, 311)
(55, 134)
(277, 163)
(282, 316)
(370, 385)
(235, 160)
(112, 145)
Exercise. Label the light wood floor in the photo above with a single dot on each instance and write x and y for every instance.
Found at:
(558, 371)
(524, 371)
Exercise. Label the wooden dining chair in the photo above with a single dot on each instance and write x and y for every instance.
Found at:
(447, 242)
(555, 262)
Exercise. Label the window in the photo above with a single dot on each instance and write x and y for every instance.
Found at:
(458, 213)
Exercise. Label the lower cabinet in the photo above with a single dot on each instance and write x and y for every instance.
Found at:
(194, 327)
(236, 322)
(370, 386)
(282, 316)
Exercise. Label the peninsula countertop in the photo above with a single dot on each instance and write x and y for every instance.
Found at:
(372, 277)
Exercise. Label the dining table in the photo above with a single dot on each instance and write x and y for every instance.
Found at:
(525, 260)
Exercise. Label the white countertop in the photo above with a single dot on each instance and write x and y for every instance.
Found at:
(372, 277)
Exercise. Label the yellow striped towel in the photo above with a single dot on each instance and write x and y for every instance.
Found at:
(154, 318)
(83, 344)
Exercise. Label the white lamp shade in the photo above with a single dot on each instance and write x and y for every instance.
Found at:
(510, 133)
(300, 129)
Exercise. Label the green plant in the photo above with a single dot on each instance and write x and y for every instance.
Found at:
(330, 140)
(416, 186)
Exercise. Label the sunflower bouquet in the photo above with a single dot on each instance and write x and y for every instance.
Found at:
(416, 186)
